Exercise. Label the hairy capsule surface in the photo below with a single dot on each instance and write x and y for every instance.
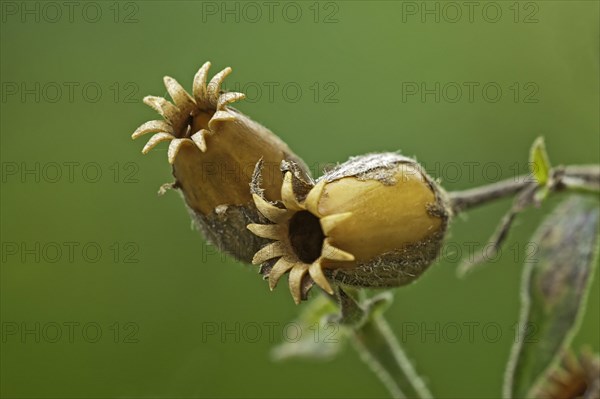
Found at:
(377, 220)
(213, 149)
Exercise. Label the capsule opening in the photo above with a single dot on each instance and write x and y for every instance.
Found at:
(306, 236)
(198, 122)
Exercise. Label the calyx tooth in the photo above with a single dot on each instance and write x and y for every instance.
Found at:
(280, 268)
(312, 199)
(269, 210)
(269, 251)
(214, 86)
(333, 253)
(174, 148)
(152, 127)
(328, 223)
(180, 97)
(316, 273)
(221, 116)
(155, 139)
(199, 138)
(295, 281)
(287, 193)
(167, 110)
(270, 231)
(199, 87)
(228, 98)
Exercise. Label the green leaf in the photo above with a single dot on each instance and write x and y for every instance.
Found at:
(553, 293)
(539, 163)
(315, 336)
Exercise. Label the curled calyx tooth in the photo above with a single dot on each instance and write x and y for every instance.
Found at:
(377, 220)
(213, 149)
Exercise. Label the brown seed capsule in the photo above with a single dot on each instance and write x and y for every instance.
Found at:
(574, 376)
(213, 149)
(375, 221)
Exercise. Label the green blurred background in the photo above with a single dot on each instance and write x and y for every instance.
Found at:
(156, 286)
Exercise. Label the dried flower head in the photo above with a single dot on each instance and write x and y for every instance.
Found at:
(213, 149)
(375, 221)
(575, 376)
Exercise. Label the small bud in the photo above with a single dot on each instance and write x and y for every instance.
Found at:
(213, 149)
(375, 221)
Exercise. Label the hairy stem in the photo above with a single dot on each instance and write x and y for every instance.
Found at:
(378, 347)
(586, 178)
(471, 198)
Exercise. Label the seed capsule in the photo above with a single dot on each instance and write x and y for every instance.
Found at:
(375, 221)
(574, 376)
(213, 149)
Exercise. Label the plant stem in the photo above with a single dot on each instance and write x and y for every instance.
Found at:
(376, 343)
(378, 347)
(585, 177)
(471, 198)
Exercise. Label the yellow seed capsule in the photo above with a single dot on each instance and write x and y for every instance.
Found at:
(213, 149)
(375, 221)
